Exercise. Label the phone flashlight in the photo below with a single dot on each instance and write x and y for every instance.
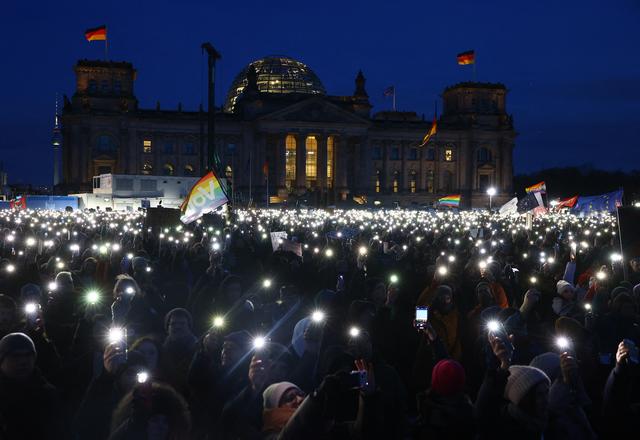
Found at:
(142, 377)
(116, 334)
(30, 308)
(93, 297)
(354, 332)
(563, 343)
(317, 316)
(393, 279)
(218, 321)
(259, 342)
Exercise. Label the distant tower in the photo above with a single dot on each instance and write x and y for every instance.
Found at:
(56, 142)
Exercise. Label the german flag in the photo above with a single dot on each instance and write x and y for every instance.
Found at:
(468, 57)
(432, 131)
(452, 201)
(96, 34)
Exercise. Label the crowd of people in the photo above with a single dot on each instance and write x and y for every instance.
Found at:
(304, 324)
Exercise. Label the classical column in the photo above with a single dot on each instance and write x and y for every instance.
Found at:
(365, 166)
(403, 171)
(281, 162)
(321, 172)
(340, 164)
(385, 168)
(507, 167)
(421, 184)
(301, 162)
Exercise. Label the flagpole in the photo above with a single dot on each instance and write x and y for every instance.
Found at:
(250, 180)
(267, 187)
(106, 49)
(475, 61)
(394, 98)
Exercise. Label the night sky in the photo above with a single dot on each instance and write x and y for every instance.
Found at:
(572, 68)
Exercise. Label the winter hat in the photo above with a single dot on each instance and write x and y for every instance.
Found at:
(617, 291)
(273, 394)
(562, 285)
(297, 340)
(549, 363)
(241, 338)
(522, 379)
(179, 311)
(139, 264)
(447, 377)
(16, 342)
(30, 290)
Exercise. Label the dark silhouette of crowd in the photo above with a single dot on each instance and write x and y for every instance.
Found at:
(112, 327)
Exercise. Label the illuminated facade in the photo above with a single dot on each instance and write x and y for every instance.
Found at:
(278, 118)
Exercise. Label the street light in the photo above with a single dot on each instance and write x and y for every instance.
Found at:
(491, 192)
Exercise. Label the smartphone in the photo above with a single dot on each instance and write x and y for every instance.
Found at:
(357, 380)
(422, 316)
(340, 283)
(500, 332)
(634, 358)
(572, 253)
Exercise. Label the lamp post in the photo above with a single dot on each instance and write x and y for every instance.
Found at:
(491, 192)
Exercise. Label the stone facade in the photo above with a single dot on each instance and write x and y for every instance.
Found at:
(339, 148)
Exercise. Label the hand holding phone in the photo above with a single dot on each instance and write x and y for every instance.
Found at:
(421, 318)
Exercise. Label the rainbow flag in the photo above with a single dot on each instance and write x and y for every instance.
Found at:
(206, 196)
(538, 187)
(96, 34)
(452, 200)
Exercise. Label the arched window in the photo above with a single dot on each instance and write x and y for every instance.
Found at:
(106, 144)
(168, 169)
(311, 162)
(147, 169)
(413, 182)
(330, 162)
(290, 161)
(484, 155)
(377, 181)
(188, 170)
(396, 181)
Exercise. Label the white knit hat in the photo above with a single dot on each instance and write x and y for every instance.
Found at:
(522, 378)
(274, 392)
(561, 285)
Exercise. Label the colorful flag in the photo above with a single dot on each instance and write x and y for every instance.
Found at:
(452, 200)
(468, 57)
(567, 203)
(389, 91)
(538, 187)
(603, 202)
(19, 202)
(206, 196)
(530, 202)
(432, 131)
(96, 34)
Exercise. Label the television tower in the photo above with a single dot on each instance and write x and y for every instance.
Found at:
(56, 142)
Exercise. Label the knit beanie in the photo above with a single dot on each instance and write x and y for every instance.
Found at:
(562, 285)
(241, 338)
(522, 379)
(16, 342)
(274, 392)
(179, 311)
(447, 377)
(617, 291)
(549, 363)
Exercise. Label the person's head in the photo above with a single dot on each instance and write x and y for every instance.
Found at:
(565, 290)
(377, 291)
(360, 346)
(139, 265)
(89, 266)
(231, 288)
(549, 363)
(178, 322)
(483, 294)
(30, 293)
(634, 263)
(8, 313)
(125, 288)
(443, 301)
(149, 348)
(235, 347)
(17, 356)
(282, 395)
(528, 388)
(64, 281)
(160, 413)
(623, 306)
(447, 378)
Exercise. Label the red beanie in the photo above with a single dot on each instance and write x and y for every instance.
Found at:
(447, 377)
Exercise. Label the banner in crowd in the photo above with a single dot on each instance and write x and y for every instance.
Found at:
(538, 187)
(277, 238)
(206, 196)
(603, 202)
(509, 208)
(530, 202)
(292, 246)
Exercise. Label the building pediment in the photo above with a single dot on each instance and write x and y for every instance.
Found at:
(316, 109)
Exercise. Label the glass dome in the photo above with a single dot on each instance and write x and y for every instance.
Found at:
(276, 74)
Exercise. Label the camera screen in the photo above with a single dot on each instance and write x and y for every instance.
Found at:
(422, 313)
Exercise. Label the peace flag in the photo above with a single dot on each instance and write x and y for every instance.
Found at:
(206, 196)
(538, 187)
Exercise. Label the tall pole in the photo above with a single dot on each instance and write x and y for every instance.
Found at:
(213, 55)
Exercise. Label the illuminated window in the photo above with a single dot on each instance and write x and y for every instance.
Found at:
(168, 169)
(430, 181)
(448, 155)
(330, 162)
(228, 172)
(412, 182)
(146, 146)
(311, 161)
(147, 169)
(188, 170)
(377, 181)
(396, 183)
(290, 161)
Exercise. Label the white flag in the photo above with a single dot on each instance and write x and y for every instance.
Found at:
(509, 208)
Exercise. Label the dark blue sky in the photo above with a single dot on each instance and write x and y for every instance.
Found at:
(572, 67)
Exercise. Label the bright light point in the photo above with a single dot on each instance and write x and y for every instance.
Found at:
(266, 283)
(30, 308)
(130, 290)
(259, 342)
(362, 250)
(130, 256)
(60, 264)
(600, 275)
(93, 297)
(328, 253)
(116, 334)
(317, 316)
(216, 246)
(562, 343)
(482, 264)
(587, 306)
(616, 257)
(11, 268)
(142, 377)
(148, 269)
(533, 280)
(452, 258)
(31, 241)
(393, 279)
(316, 250)
(491, 191)
(115, 247)
(52, 286)
(10, 238)
(218, 322)
(551, 260)
(493, 326)
(442, 270)
(354, 332)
